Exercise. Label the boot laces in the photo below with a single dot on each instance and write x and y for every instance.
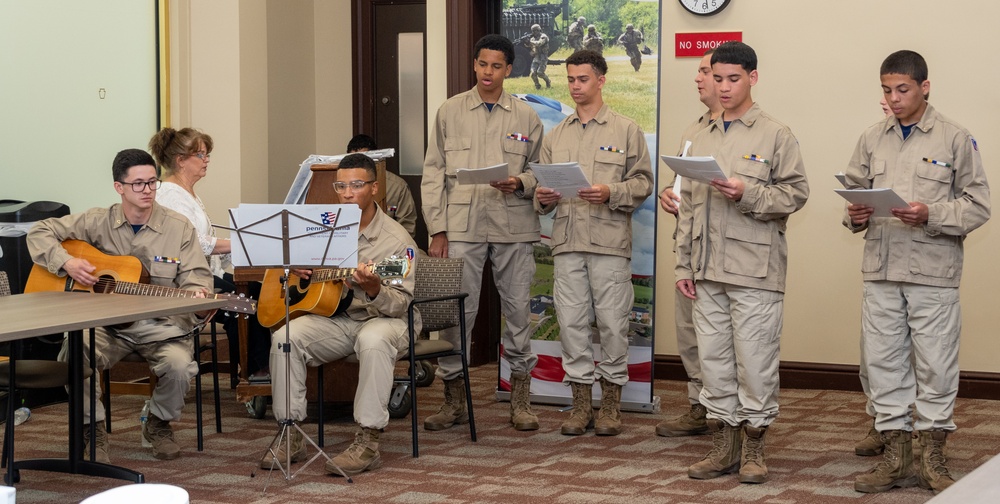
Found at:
(890, 457)
(754, 451)
(936, 459)
(718, 444)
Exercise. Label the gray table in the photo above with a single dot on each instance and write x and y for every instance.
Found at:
(39, 313)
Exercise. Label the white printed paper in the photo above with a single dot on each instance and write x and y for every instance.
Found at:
(482, 175)
(882, 200)
(564, 178)
(311, 241)
(700, 168)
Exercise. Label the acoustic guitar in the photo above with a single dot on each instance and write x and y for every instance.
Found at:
(121, 275)
(320, 295)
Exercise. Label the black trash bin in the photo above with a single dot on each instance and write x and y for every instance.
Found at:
(16, 217)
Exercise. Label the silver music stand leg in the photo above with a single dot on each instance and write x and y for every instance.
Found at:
(284, 434)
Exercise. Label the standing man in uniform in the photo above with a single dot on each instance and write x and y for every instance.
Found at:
(592, 242)
(631, 39)
(482, 127)
(731, 241)
(539, 45)
(575, 36)
(911, 268)
(398, 199)
(693, 422)
(167, 245)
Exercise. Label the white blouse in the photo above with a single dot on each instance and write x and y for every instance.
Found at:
(179, 200)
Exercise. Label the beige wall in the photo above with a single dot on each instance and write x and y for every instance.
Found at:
(818, 66)
(264, 79)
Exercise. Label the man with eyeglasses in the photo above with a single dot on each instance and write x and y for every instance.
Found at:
(369, 322)
(166, 244)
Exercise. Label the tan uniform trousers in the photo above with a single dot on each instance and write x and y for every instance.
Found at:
(171, 361)
(316, 340)
(897, 320)
(588, 287)
(687, 345)
(739, 333)
(513, 271)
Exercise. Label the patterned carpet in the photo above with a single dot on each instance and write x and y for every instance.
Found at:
(810, 457)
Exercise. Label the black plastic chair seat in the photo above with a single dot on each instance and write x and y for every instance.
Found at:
(38, 374)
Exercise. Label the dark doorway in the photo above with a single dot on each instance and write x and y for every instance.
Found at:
(376, 79)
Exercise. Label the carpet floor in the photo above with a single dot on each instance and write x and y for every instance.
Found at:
(809, 455)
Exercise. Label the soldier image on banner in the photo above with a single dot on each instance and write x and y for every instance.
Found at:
(575, 36)
(593, 40)
(631, 39)
(539, 45)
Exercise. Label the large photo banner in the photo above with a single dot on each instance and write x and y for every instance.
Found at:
(631, 89)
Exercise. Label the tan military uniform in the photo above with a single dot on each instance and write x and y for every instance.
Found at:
(687, 340)
(168, 247)
(592, 244)
(737, 254)
(912, 273)
(480, 221)
(399, 203)
(373, 329)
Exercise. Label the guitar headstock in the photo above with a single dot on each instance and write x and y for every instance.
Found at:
(392, 270)
(238, 304)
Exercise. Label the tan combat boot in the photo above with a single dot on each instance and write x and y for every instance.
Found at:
(298, 450)
(934, 474)
(582, 416)
(453, 410)
(158, 433)
(896, 467)
(724, 457)
(691, 423)
(520, 402)
(361, 456)
(871, 445)
(101, 443)
(609, 418)
(752, 466)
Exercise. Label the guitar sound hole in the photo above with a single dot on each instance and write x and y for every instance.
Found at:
(296, 294)
(104, 285)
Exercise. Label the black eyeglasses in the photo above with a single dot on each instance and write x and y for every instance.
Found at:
(355, 185)
(141, 186)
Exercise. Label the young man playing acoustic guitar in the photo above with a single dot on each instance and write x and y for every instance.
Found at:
(167, 246)
(373, 326)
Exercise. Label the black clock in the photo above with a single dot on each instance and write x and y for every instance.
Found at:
(704, 7)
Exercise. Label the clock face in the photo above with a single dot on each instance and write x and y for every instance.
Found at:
(704, 7)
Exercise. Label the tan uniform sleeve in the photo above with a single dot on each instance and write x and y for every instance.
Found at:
(970, 207)
(45, 240)
(433, 188)
(526, 177)
(788, 188)
(637, 183)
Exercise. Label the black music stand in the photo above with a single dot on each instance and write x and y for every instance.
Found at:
(284, 432)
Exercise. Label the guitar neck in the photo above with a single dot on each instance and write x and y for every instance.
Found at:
(140, 289)
(331, 275)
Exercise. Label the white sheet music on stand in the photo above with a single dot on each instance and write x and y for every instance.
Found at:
(258, 228)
